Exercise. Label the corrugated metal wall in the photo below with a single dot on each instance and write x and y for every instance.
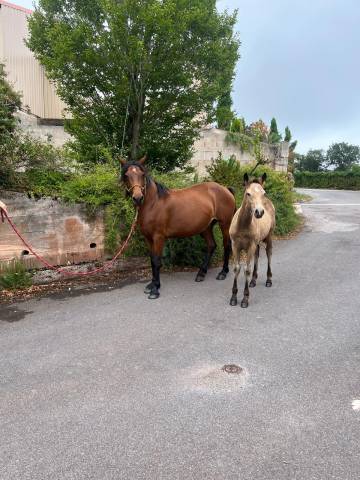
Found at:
(24, 71)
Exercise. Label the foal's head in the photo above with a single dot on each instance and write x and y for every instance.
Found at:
(133, 174)
(255, 193)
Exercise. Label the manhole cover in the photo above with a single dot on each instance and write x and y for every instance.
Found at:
(234, 369)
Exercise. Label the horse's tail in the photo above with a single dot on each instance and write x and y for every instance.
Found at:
(232, 190)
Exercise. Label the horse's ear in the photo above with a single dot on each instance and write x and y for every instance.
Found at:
(122, 161)
(263, 178)
(143, 159)
(246, 178)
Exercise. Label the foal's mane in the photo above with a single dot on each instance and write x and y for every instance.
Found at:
(162, 190)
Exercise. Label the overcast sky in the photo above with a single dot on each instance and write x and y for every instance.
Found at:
(300, 62)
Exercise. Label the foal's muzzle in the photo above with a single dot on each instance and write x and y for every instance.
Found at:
(258, 213)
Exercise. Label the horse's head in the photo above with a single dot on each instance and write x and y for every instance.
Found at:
(133, 175)
(255, 193)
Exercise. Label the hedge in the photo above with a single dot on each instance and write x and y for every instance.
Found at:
(100, 188)
(337, 180)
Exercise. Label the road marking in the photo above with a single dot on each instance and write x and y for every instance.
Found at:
(330, 204)
(356, 404)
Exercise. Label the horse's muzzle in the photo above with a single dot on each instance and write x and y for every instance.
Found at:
(138, 200)
(258, 213)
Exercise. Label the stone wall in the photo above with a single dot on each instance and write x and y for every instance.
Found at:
(212, 141)
(59, 232)
(54, 133)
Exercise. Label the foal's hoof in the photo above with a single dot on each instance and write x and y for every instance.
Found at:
(200, 277)
(148, 288)
(268, 283)
(154, 294)
(244, 304)
(233, 302)
(221, 275)
(252, 283)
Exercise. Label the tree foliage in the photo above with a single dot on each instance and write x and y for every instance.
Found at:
(165, 62)
(288, 136)
(342, 156)
(313, 161)
(274, 135)
(224, 113)
(9, 103)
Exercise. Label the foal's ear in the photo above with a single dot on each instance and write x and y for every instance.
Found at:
(122, 161)
(263, 178)
(143, 159)
(246, 178)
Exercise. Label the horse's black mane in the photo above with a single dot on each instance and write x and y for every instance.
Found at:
(161, 189)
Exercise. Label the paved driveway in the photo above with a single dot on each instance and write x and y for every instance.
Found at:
(112, 386)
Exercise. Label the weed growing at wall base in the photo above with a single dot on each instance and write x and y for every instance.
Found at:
(15, 276)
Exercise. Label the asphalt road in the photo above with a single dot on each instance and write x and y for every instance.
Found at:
(111, 385)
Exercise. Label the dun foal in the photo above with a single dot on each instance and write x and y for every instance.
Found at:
(252, 224)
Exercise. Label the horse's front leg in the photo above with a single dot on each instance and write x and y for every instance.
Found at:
(156, 256)
(255, 271)
(249, 256)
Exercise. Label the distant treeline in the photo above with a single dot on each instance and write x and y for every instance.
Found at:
(349, 180)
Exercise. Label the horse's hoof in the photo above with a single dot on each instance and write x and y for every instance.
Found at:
(199, 278)
(148, 288)
(221, 276)
(244, 304)
(252, 283)
(154, 295)
(233, 302)
(268, 283)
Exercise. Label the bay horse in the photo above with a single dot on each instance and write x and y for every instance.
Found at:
(176, 213)
(252, 224)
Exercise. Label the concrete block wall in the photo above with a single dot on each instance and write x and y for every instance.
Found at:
(59, 232)
(213, 140)
(55, 133)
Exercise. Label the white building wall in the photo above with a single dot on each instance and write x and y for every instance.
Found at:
(24, 72)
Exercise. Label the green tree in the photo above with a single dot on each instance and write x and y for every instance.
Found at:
(274, 135)
(146, 71)
(224, 114)
(288, 136)
(313, 161)
(9, 103)
(342, 156)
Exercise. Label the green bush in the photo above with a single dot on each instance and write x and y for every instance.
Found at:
(278, 188)
(15, 276)
(349, 180)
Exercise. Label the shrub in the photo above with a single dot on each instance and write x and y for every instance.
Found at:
(349, 180)
(278, 188)
(224, 171)
(15, 276)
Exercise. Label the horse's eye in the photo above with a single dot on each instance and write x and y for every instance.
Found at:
(248, 194)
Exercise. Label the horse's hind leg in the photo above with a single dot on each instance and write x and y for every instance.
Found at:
(208, 236)
(269, 255)
(233, 299)
(256, 261)
(227, 252)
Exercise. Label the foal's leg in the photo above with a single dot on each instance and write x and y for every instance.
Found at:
(236, 253)
(256, 261)
(156, 255)
(269, 255)
(227, 252)
(211, 246)
(249, 256)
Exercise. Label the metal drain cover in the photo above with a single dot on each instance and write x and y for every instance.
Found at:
(232, 368)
